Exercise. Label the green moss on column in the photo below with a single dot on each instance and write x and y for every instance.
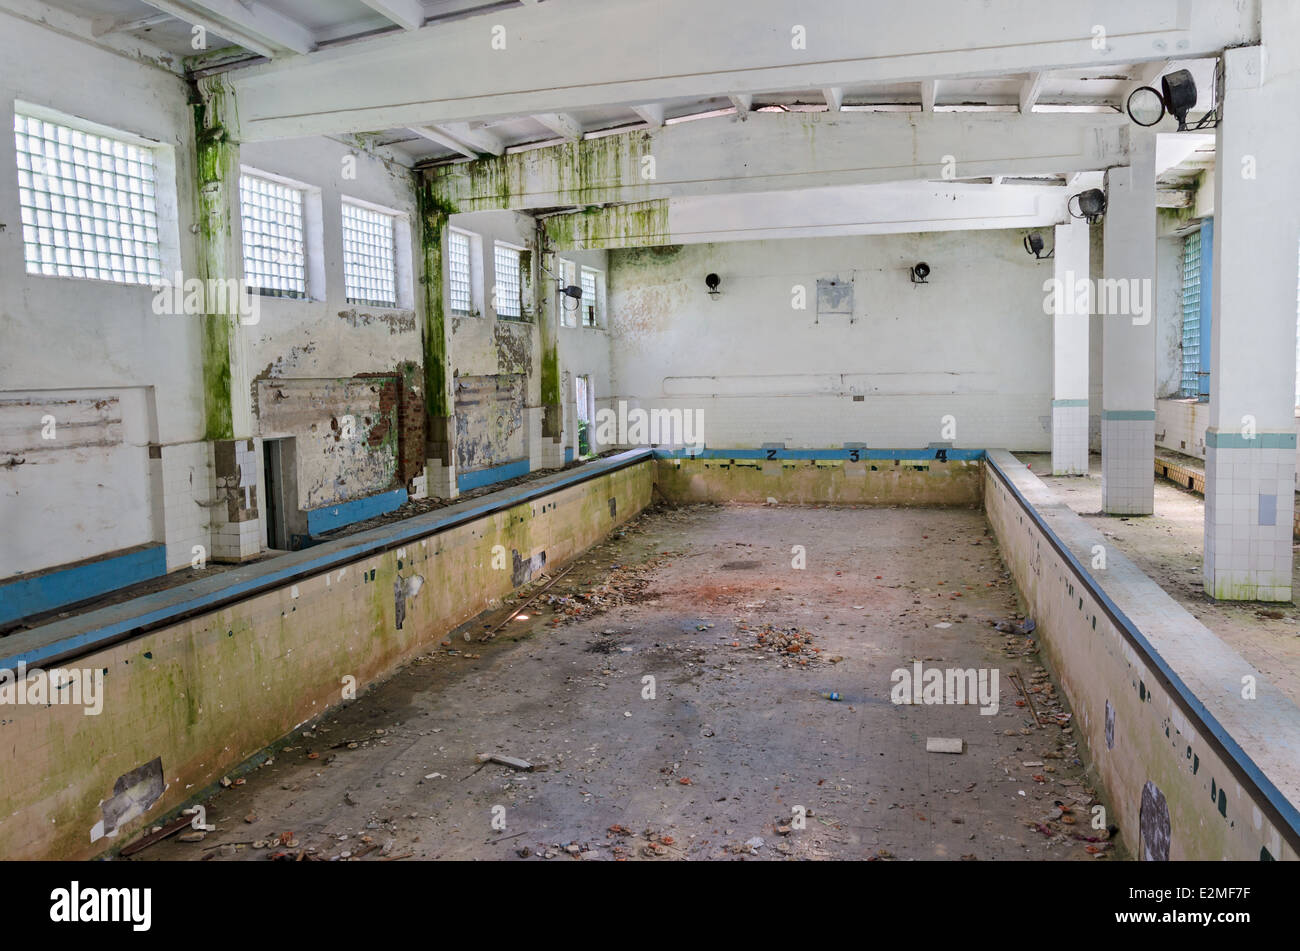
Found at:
(217, 183)
(434, 210)
(548, 335)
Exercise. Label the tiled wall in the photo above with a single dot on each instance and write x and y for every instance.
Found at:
(1165, 765)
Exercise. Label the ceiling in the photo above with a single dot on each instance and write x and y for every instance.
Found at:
(258, 29)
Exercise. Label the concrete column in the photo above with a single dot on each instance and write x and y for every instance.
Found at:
(439, 399)
(1251, 441)
(1071, 313)
(1125, 303)
(548, 451)
(235, 526)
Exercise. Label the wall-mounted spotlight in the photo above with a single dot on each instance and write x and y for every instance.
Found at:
(1091, 204)
(712, 281)
(920, 271)
(570, 296)
(1179, 92)
(1034, 245)
(1177, 95)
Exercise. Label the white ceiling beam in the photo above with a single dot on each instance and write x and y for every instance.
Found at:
(405, 78)
(814, 213)
(103, 26)
(435, 134)
(256, 27)
(792, 151)
(834, 96)
(408, 14)
(16, 15)
(743, 102)
(652, 114)
(1030, 90)
(561, 123)
(483, 140)
(214, 26)
(929, 93)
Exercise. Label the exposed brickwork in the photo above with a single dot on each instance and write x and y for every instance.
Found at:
(401, 391)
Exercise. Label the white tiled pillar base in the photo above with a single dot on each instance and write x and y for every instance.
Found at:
(439, 480)
(1249, 507)
(1128, 457)
(187, 488)
(234, 525)
(544, 452)
(1070, 437)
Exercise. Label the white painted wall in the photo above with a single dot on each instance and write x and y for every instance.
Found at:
(69, 337)
(973, 343)
(585, 351)
(324, 337)
(1169, 316)
(487, 345)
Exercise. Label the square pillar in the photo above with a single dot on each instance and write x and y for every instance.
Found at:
(1125, 303)
(1071, 313)
(1251, 441)
(439, 395)
(548, 451)
(234, 519)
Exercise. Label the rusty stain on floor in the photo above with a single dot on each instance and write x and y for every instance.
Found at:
(738, 741)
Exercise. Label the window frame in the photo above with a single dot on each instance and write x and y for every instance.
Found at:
(304, 191)
(497, 247)
(598, 297)
(1189, 381)
(395, 221)
(166, 210)
(474, 244)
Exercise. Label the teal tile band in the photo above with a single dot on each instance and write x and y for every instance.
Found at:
(1129, 414)
(1234, 440)
(1069, 402)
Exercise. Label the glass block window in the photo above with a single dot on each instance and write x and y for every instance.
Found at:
(458, 273)
(369, 257)
(87, 203)
(1191, 381)
(590, 297)
(275, 254)
(508, 293)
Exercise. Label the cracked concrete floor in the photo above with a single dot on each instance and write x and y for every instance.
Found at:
(736, 736)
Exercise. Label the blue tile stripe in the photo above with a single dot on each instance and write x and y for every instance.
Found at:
(481, 477)
(36, 594)
(1073, 403)
(354, 510)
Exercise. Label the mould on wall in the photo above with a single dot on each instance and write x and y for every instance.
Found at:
(398, 321)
